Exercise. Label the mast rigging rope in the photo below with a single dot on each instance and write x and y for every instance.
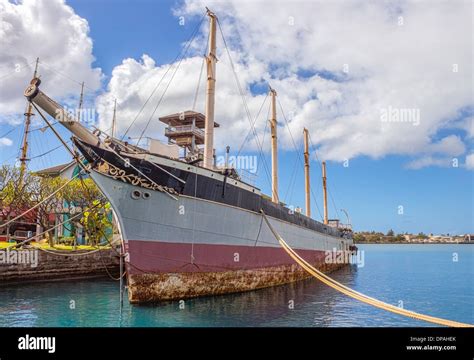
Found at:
(181, 54)
(320, 166)
(244, 101)
(253, 126)
(298, 155)
(42, 201)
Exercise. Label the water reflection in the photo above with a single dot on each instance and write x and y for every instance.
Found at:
(312, 302)
(426, 281)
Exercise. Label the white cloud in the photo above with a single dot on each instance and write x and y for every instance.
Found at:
(5, 142)
(404, 67)
(426, 161)
(50, 30)
(450, 145)
(470, 161)
(133, 82)
(408, 66)
(468, 126)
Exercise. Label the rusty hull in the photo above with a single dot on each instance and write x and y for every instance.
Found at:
(147, 288)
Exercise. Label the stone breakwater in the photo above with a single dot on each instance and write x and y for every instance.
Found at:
(31, 265)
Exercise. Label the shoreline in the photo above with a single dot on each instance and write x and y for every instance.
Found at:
(411, 243)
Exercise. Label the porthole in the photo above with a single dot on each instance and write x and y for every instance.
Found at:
(136, 194)
(146, 195)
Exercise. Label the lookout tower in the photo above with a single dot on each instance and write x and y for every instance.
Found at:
(185, 129)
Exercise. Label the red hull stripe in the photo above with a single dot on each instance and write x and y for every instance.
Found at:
(165, 257)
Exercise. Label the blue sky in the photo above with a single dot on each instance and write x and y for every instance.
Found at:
(122, 29)
(435, 199)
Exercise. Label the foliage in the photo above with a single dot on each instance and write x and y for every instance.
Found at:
(97, 222)
(18, 194)
(67, 240)
(399, 238)
(13, 191)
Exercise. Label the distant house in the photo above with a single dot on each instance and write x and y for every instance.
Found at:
(469, 238)
(68, 171)
(27, 224)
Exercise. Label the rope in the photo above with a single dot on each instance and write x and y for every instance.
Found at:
(70, 253)
(164, 91)
(53, 69)
(198, 85)
(291, 183)
(194, 213)
(43, 128)
(14, 156)
(246, 108)
(47, 152)
(58, 225)
(133, 167)
(355, 294)
(253, 126)
(7, 133)
(107, 269)
(320, 166)
(42, 201)
(181, 54)
(27, 65)
(298, 155)
(52, 228)
(266, 125)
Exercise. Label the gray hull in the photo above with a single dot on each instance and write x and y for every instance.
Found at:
(182, 247)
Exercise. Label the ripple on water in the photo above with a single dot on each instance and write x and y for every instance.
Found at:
(423, 277)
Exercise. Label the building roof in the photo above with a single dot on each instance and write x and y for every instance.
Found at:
(55, 170)
(186, 118)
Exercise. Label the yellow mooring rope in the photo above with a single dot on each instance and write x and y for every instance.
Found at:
(357, 295)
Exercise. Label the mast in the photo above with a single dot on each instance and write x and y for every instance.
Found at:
(306, 174)
(28, 115)
(210, 93)
(273, 126)
(325, 194)
(37, 98)
(113, 119)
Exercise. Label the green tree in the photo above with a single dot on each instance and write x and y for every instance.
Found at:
(400, 238)
(14, 196)
(19, 194)
(358, 238)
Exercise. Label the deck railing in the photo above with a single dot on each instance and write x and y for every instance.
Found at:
(184, 129)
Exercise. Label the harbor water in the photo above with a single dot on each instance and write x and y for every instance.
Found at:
(431, 279)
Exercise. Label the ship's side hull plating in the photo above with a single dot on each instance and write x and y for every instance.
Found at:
(181, 246)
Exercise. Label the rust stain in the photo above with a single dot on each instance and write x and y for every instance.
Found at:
(145, 288)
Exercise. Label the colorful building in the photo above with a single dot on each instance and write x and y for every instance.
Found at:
(72, 230)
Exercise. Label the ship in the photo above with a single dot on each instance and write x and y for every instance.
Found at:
(189, 227)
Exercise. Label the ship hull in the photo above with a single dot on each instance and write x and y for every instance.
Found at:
(181, 246)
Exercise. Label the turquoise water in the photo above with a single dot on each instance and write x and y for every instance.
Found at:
(424, 277)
